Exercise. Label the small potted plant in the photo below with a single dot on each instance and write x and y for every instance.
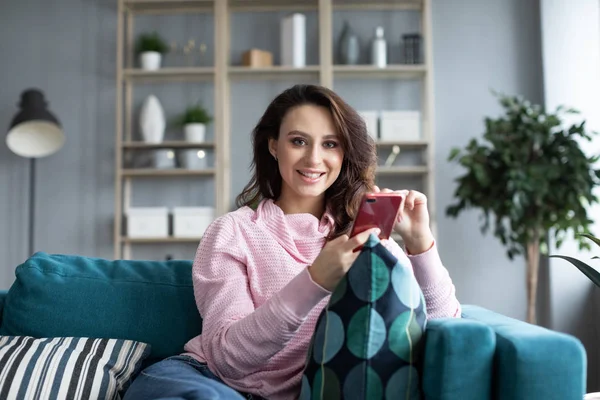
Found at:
(151, 47)
(194, 121)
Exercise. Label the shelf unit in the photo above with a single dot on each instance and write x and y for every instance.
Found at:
(172, 144)
(127, 240)
(149, 172)
(222, 74)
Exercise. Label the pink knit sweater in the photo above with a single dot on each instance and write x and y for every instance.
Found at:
(259, 304)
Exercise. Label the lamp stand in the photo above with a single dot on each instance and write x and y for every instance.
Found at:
(31, 207)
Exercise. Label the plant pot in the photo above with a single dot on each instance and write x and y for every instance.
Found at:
(150, 60)
(194, 133)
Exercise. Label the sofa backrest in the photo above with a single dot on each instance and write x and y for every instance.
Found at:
(64, 295)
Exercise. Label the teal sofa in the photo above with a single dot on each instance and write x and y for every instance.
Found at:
(484, 355)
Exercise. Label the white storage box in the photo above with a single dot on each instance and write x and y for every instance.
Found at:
(191, 221)
(148, 222)
(293, 40)
(400, 125)
(371, 119)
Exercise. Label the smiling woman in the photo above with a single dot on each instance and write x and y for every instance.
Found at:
(312, 149)
(264, 272)
(309, 163)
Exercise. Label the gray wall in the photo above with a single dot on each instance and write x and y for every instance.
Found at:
(478, 46)
(67, 49)
(576, 84)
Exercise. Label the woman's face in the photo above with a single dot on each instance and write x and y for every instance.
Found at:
(308, 151)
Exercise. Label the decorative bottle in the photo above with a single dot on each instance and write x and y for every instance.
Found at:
(379, 49)
(349, 46)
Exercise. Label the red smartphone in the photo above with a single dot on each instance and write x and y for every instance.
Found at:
(377, 210)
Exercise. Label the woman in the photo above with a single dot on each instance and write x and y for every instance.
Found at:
(263, 274)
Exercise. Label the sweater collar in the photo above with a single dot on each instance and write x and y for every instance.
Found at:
(293, 231)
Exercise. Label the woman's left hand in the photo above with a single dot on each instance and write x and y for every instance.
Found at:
(412, 223)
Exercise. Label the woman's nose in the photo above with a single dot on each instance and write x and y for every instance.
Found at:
(314, 155)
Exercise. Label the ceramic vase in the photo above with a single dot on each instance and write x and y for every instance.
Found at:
(152, 120)
(348, 46)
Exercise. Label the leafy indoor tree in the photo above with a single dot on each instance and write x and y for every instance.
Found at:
(529, 176)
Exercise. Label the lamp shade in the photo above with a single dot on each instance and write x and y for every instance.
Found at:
(34, 132)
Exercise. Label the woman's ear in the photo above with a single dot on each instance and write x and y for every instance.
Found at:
(273, 147)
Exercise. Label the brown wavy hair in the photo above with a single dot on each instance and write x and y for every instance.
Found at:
(357, 174)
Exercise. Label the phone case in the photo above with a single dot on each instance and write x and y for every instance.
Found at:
(377, 210)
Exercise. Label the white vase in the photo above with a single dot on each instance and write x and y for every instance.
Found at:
(194, 133)
(152, 120)
(150, 60)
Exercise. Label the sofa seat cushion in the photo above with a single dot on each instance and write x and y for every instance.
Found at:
(64, 295)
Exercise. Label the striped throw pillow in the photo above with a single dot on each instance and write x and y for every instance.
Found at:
(68, 367)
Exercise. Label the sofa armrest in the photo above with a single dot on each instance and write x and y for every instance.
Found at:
(458, 360)
(3, 294)
(532, 362)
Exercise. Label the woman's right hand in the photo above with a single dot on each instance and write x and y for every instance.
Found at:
(336, 258)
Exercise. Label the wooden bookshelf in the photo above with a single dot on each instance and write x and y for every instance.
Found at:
(174, 144)
(158, 173)
(162, 240)
(223, 73)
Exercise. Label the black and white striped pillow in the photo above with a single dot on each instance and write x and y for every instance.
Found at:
(68, 367)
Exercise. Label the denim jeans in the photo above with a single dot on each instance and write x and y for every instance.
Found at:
(181, 377)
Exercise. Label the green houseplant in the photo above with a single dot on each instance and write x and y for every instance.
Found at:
(193, 121)
(586, 269)
(151, 47)
(529, 177)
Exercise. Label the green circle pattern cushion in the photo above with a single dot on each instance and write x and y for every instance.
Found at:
(368, 339)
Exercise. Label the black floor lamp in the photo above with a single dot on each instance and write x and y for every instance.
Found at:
(34, 133)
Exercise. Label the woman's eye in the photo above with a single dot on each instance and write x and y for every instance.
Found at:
(330, 145)
(298, 141)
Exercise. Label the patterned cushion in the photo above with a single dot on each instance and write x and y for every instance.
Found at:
(368, 338)
(67, 368)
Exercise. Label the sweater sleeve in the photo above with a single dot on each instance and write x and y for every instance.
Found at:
(433, 278)
(237, 338)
